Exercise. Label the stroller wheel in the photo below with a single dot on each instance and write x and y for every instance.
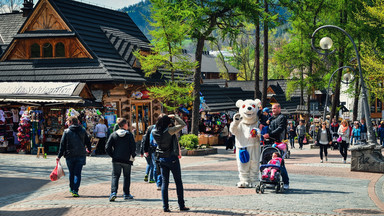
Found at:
(281, 187)
(262, 188)
(257, 188)
(277, 188)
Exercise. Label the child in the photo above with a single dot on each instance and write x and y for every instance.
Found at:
(276, 160)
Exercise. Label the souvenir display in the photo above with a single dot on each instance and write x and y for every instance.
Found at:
(23, 134)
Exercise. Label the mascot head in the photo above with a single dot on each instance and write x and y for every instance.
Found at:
(248, 110)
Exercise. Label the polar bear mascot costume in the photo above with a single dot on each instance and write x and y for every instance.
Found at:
(247, 139)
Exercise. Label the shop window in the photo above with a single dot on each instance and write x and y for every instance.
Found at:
(379, 106)
(35, 50)
(59, 50)
(47, 50)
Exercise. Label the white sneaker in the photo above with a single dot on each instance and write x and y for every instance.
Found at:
(321, 161)
(286, 186)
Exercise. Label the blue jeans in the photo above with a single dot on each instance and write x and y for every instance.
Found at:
(284, 175)
(75, 165)
(301, 139)
(382, 141)
(116, 172)
(168, 165)
(155, 170)
(150, 168)
(354, 140)
(292, 141)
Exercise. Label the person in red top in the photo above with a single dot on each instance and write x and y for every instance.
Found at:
(276, 160)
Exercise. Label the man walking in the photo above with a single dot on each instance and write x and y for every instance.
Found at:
(276, 131)
(72, 146)
(121, 147)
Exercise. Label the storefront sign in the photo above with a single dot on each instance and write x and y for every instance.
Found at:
(38, 88)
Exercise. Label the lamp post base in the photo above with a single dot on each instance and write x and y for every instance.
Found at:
(367, 158)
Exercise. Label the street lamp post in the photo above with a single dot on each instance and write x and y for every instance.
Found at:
(326, 43)
(347, 79)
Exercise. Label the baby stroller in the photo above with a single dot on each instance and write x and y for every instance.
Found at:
(281, 146)
(277, 183)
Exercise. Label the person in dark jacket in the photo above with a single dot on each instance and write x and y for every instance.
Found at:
(323, 139)
(168, 152)
(291, 134)
(121, 147)
(380, 133)
(72, 147)
(277, 130)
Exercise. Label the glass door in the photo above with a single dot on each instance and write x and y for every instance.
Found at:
(141, 119)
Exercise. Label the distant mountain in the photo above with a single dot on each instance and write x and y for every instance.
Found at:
(139, 13)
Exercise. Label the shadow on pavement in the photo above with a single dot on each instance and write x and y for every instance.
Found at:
(197, 189)
(305, 191)
(52, 211)
(216, 212)
(18, 188)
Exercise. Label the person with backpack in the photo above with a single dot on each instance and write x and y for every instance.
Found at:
(72, 146)
(168, 151)
(121, 147)
(149, 149)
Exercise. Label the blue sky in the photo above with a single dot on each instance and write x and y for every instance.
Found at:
(114, 4)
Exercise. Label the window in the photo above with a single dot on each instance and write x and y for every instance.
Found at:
(379, 104)
(59, 50)
(47, 50)
(35, 50)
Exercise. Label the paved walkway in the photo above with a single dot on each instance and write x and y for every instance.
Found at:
(316, 188)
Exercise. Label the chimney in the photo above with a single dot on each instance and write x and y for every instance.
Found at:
(28, 7)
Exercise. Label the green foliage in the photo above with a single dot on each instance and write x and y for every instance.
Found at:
(170, 24)
(172, 95)
(189, 141)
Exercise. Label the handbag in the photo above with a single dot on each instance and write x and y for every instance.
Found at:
(305, 141)
(339, 139)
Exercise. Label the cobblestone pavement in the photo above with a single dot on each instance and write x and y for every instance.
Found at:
(316, 188)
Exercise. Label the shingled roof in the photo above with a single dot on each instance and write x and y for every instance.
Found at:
(109, 36)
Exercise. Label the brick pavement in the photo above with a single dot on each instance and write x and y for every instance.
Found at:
(316, 189)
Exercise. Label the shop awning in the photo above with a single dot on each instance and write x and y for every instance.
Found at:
(42, 92)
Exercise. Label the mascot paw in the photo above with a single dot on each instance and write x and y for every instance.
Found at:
(242, 184)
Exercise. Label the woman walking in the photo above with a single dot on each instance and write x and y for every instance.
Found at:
(169, 154)
(301, 133)
(291, 134)
(324, 139)
(344, 142)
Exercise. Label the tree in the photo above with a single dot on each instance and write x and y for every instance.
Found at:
(169, 21)
(297, 59)
(208, 16)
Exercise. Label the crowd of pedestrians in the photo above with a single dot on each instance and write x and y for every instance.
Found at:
(161, 149)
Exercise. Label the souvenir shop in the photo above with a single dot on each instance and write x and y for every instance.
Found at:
(211, 125)
(24, 128)
(34, 114)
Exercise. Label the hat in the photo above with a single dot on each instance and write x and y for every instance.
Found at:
(266, 110)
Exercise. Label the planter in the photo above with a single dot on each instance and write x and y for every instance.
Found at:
(200, 152)
(184, 152)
